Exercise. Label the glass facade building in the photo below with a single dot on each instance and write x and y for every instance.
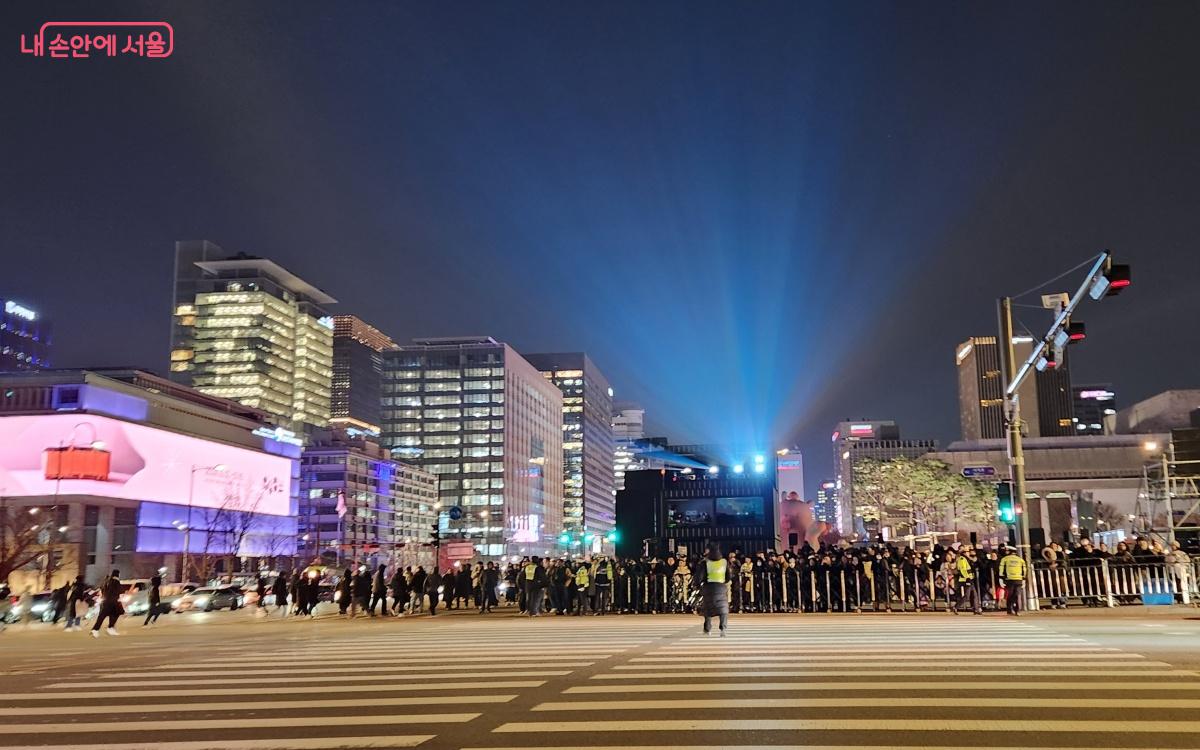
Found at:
(389, 506)
(246, 329)
(589, 500)
(476, 414)
(357, 374)
(24, 337)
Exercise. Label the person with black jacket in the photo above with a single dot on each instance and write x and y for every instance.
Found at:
(399, 585)
(488, 582)
(280, 590)
(345, 591)
(417, 590)
(110, 606)
(76, 603)
(433, 581)
(378, 592)
(361, 589)
(463, 589)
(154, 602)
(58, 602)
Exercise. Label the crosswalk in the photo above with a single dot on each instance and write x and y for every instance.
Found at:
(634, 683)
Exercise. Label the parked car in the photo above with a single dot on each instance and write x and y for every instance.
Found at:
(209, 598)
(42, 608)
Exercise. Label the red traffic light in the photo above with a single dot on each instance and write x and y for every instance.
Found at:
(1076, 332)
(1111, 281)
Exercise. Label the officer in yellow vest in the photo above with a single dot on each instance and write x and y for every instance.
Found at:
(714, 588)
(968, 591)
(1012, 572)
(582, 581)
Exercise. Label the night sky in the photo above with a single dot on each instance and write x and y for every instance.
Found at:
(757, 218)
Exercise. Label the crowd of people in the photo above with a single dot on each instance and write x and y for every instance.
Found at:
(825, 578)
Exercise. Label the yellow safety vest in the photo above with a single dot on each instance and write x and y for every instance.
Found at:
(715, 571)
(965, 571)
(581, 577)
(530, 570)
(1012, 568)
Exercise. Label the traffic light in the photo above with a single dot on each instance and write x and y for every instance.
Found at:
(564, 538)
(1113, 278)
(613, 536)
(437, 534)
(1006, 509)
(1071, 333)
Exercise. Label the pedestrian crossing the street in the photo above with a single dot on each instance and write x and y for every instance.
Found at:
(635, 683)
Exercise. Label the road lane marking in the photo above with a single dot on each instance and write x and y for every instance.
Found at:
(91, 694)
(1120, 726)
(906, 702)
(707, 661)
(299, 743)
(99, 684)
(733, 687)
(145, 708)
(388, 671)
(207, 724)
(988, 671)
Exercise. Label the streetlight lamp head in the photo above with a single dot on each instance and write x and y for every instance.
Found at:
(1150, 445)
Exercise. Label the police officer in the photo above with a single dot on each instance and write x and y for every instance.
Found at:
(714, 590)
(1012, 572)
(968, 590)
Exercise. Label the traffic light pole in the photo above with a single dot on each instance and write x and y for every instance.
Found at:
(1013, 378)
(1016, 452)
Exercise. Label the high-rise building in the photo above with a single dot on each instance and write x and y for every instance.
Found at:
(1056, 404)
(24, 337)
(589, 503)
(357, 374)
(858, 440)
(247, 329)
(388, 506)
(981, 388)
(1094, 406)
(825, 509)
(489, 425)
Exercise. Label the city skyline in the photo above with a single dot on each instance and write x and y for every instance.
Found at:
(804, 249)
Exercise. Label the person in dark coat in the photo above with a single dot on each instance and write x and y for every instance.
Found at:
(280, 591)
(378, 592)
(399, 585)
(713, 574)
(417, 590)
(362, 590)
(463, 590)
(345, 591)
(76, 603)
(154, 602)
(110, 608)
(433, 582)
(489, 581)
(448, 580)
(58, 602)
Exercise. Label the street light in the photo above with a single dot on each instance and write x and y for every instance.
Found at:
(187, 529)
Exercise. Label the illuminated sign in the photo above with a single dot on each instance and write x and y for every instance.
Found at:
(144, 463)
(828, 486)
(1100, 395)
(279, 435)
(861, 429)
(12, 308)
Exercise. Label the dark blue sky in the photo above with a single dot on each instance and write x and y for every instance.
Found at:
(758, 218)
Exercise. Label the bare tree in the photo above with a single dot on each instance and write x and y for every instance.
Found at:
(19, 535)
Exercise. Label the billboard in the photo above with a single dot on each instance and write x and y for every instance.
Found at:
(86, 454)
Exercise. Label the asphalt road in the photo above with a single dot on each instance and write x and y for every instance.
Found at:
(230, 681)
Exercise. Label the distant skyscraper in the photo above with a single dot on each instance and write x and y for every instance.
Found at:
(1056, 403)
(1094, 404)
(855, 441)
(825, 509)
(357, 374)
(589, 501)
(246, 329)
(489, 424)
(24, 337)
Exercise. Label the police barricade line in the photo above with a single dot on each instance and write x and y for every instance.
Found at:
(143, 707)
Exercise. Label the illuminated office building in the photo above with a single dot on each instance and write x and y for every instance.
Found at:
(247, 329)
(489, 425)
(357, 374)
(589, 504)
(825, 509)
(24, 337)
(865, 439)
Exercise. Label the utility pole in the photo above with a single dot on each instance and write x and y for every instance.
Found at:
(1016, 452)
(1104, 279)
